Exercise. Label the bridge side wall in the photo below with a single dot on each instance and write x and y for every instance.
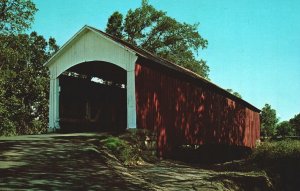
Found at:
(186, 111)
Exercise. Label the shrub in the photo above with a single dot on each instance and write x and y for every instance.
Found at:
(284, 150)
(281, 161)
(38, 127)
(7, 128)
(123, 150)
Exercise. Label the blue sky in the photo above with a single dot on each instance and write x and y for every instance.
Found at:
(254, 45)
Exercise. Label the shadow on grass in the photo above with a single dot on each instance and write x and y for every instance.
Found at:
(210, 154)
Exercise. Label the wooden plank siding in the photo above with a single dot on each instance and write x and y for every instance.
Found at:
(186, 111)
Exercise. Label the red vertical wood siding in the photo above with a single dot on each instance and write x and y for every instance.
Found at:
(185, 112)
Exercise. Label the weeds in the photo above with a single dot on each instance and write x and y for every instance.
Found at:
(280, 159)
(124, 151)
(132, 147)
(280, 151)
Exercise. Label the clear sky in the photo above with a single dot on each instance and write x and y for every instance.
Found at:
(254, 45)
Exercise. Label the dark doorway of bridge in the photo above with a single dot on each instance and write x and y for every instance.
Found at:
(93, 98)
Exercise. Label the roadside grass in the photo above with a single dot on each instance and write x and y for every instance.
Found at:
(132, 147)
(271, 152)
(281, 161)
(125, 151)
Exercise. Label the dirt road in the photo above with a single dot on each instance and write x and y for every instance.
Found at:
(74, 162)
(56, 162)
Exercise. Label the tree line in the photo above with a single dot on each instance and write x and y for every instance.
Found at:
(270, 126)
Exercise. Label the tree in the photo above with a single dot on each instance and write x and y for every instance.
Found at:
(24, 83)
(295, 122)
(268, 121)
(162, 35)
(114, 25)
(284, 129)
(234, 93)
(16, 15)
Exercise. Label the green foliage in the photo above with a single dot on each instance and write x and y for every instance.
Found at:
(234, 93)
(7, 127)
(277, 151)
(126, 152)
(16, 15)
(285, 152)
(284, 129)
(295, 122)
(114, 25)
(162, 35)
(268, 121)
(23, 78)
(280, 160)
(24, 83)
(113, 143)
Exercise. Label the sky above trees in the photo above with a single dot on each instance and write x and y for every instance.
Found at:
(253, 46)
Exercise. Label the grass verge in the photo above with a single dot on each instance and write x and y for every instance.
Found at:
(281, 160)
(123, 150)
(132, 147)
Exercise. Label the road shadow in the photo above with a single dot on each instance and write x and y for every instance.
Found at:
(57, 163)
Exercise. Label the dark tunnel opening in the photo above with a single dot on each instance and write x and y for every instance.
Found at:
(93, 98)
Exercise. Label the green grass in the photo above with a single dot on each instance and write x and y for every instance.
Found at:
(277, 151)
(281, 161)
(114, 143)
(125, 151)
(130, 148)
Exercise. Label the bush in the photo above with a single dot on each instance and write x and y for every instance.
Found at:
(277, 151)
(123, 150)
(281, 161)
(38, 127)
(7, 128)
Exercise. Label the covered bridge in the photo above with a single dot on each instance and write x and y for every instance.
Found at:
(99, 82)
